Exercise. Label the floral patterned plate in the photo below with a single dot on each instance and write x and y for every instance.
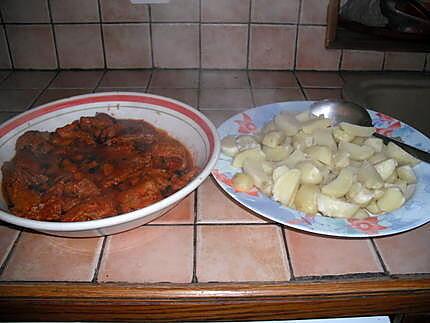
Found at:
(414, 213)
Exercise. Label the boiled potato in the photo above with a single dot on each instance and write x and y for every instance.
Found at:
(324, 137)
(273, 138)
(355, 130)
(286, 186)
(407, 174)
(296, 157)
(377, 158)
(402, 157)
(228, 146)
(391, 200)
(341, 159)
(302, 140)
(245, 142)
(270, 126)
(357, 152)
(341, 135)
(255, 153)
(287, 123)
(306, 198)
(278, 172)
(313, 124)
(368, 175)
(320, 153)
(373, 208)
(334, 207)
(386, 168)
(260, 178)
(304, 116)
(310, 173)
(376, 143)
(360, 214)
(242, 182)
(277, 153)
(358, 194)
(340, 185)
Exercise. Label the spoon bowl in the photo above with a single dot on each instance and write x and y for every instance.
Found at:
(344, 111)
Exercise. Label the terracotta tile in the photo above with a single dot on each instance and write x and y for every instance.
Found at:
(39, 257)
(272, 47)
(124, 78)
(4, 51)
(8, 237)
(4, 75)
(314, 12)
(56, 94)
(319, 79)
(76, 80)
(4, 116)
(181, 39)
(320, 94)
(127, 45)
(17, 100)
(266, 96)
(35, 11)
(219, 39)
(219, 116)
(183, 213)
(241, 253)
(74, 10)
(406, 253)
(176, 11)
(175, 79)
(214, 206)
(188, 96)
(311, 51)
(152, 254)
(272, 79)
(231, 99)
(360, 60)
(315, 255)
(27, 80)
(79, 46)
(35, 39)
(275, 11)
(225, 10)
(404, 61)
(224, 79)
(123, 11)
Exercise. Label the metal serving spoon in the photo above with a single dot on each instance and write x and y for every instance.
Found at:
(350, 112)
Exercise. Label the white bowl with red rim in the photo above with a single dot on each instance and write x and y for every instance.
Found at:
(180, 120)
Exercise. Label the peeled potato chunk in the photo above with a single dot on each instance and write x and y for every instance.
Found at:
(255, 153)
(320, 153)
(386, 168)
(377, 158)
(407, 174)
(355, 130)
(245, 142)
(334, 207)
(368, 175)
(373, 208)
(402, 157)
(360, 214)
(260, 178)
(341, 159)
(391, 200)
(277, 153)
(376, 143)
(287, 123)
(324, 137)
(310, 173)
(228, 146)
(242, 182)
(341, 135)
(273, 138)
(296, 157)
(302, 140)
(313, 124)
(358, 194)
(340, 185)
(286, 186)
(357, 152)
(279, 171)
(306, 198)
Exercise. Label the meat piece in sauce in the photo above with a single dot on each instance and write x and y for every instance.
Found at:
(93, 168)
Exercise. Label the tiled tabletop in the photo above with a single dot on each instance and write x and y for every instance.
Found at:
(207, 237)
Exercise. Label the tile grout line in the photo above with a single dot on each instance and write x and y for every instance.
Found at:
(379, 256)
(31, 106)
(290, 264)
(200, 38)
(248, 45)
(300, 85)
(151, 37)
(11, 251)
(102, 33)
(99, 81)
(296, 42)
(99, 261)
(251, 89)
(151, 73)
(54, 34)
(9, 50)
(383, 62)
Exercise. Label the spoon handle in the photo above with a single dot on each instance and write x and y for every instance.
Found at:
(418, 153)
